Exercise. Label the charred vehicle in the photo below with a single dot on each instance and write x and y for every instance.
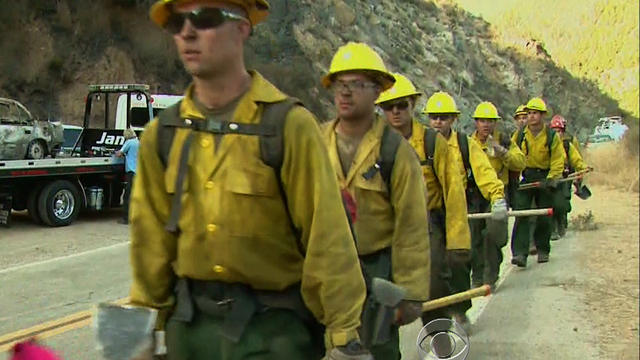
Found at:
(24, 137)
(86, 176)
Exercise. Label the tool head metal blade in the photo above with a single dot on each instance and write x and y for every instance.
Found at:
(386, 292)
(123, 332)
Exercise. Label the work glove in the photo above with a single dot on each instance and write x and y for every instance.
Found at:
(459, 256)
(500, 150)
(549, 183)
(407, 312)
(499, 209)
(352, 351)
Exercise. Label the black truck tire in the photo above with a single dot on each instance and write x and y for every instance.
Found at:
(32, 204)
(59, 203)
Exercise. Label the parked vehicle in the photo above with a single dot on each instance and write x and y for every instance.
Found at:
(138, 114)
(611, 126)
(24, 137)
(71, 136)
(54, 191)
(597, 140)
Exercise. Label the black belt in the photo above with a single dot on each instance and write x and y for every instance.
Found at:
(234, 302)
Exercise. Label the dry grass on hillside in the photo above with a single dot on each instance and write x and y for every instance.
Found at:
(616, 165)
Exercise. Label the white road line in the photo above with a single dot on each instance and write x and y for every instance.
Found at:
(63, 258)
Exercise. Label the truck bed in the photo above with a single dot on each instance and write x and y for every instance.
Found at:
(13, 169)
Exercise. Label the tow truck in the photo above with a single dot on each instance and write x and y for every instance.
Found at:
(89, 177)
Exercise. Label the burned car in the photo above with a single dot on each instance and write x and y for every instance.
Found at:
(24, 137)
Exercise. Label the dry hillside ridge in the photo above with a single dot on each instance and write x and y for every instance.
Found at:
(438, 45)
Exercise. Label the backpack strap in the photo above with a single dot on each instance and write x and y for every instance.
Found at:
(430, 136)
(550, 134)
(567, 144)
(272, 149)
(521, 140)
(389, 144)
(272, 143)
(463, 143)
(168, 120)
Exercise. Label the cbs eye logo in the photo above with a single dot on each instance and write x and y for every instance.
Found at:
(443, 339)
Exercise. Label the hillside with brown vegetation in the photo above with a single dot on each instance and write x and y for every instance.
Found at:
(54, 49)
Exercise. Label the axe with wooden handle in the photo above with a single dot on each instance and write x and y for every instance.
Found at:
(571, 177)
(456, 298)
(515, 213)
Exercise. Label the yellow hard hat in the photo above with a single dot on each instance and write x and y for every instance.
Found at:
(403, 87)
(358, 57)
(521, 110)
(441, 103)
(536, 104)
(257, 10)
(486, 110)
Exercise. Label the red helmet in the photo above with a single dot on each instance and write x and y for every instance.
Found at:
(558, 122)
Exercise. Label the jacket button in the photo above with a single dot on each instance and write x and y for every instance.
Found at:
(211, 228)
(205, 143)
(218, 269)
(208, 185)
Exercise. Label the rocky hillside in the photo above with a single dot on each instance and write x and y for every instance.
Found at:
(599, 41)
(53, 49)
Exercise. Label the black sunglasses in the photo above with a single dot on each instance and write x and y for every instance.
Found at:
(444, 117)
(200, 19)
(401, 105)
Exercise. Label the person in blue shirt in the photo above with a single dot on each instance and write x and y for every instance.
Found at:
(129, 151)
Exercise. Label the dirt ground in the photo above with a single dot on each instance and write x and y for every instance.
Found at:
(611, 253)
(26, 242)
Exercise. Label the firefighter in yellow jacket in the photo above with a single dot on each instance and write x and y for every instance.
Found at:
(482, 186)
(234, 254)
(574, 163)
(381, 180)
(544, 162)
(447, 206)
(490, 235)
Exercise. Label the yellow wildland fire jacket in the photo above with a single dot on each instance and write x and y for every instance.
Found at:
(485, 176)
(397, 220)
(444, 188)
(513, 160)
(234, 225)
(536, 150)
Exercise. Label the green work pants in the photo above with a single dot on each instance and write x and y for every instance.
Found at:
(461, 272)
(440, 272)
(488, 237)
(562, 207)
(379, 265)
(544, 198)
(274, 334)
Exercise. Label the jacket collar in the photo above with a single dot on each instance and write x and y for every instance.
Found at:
(260, 91)
(368, 144)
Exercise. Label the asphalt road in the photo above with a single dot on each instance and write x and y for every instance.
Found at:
(535, 314)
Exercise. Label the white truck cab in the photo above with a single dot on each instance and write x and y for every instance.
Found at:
(138, 106)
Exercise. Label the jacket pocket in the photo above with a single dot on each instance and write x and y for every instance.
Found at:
(256, 182)
(372, 198)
